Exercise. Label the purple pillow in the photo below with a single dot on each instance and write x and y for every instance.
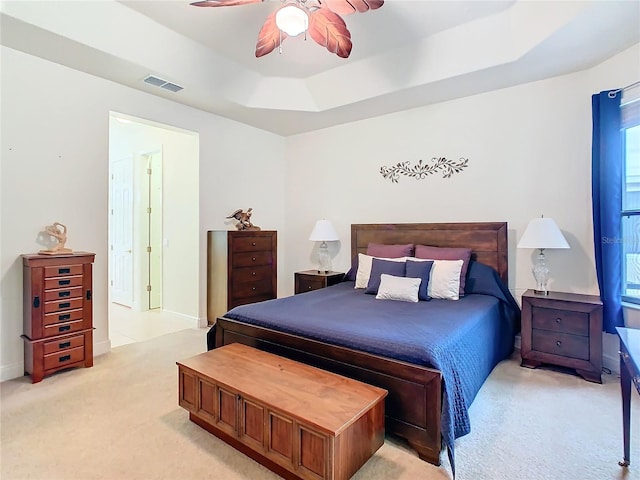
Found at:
(447, 253)
(378, 267)
(390, 251)
(420, 270)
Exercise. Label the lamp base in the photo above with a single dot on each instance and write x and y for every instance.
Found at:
(324, 259)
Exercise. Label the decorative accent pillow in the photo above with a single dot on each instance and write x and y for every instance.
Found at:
(390, 251)
(444, 282)
(447, 253)
(379, 267)
(404, 289)
(364, 268)
(422, 270)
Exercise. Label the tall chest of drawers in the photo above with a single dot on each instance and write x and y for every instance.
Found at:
(57, 312)
(242, 268)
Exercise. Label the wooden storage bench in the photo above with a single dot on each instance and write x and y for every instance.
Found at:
(298, 421)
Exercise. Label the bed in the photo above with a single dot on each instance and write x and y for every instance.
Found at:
(432, 372)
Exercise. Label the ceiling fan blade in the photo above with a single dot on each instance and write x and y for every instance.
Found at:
(223, 3)
(269, 36)
(347, 7)
(328, 29)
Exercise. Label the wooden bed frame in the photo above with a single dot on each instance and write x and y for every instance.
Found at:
(413, 406)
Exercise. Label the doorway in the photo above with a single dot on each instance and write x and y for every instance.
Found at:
(153, 227)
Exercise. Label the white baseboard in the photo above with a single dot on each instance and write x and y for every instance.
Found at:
(8, 372)
(203, 323)
(101, 348)
(195, 320)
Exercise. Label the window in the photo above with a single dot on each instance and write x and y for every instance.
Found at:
(630, 235)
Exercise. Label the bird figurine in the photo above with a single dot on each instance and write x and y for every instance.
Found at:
(244, 220)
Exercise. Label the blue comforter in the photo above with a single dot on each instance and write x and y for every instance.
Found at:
(464, 339)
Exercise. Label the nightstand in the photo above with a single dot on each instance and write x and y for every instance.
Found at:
(563, 329)
(313, 280)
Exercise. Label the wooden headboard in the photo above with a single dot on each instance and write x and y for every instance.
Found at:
(487, 240)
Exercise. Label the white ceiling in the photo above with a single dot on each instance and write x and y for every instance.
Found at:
(406, 54)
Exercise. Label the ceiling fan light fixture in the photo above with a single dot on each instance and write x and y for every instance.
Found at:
(292, 20)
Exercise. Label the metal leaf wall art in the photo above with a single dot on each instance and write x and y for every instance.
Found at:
(423, 170)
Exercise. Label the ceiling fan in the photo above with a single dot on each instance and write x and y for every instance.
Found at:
(321, 18)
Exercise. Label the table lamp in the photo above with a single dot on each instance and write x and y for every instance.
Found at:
(542, 233)
(323, 232)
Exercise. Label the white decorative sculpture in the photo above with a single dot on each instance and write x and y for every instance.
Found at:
(59, 232)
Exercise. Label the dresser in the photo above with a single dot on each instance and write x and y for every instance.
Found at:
(309, 280)
(563, 329)
(57, 312)
(242, 268)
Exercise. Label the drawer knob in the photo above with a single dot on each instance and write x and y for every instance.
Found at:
(253, 288)
(36, 302)
(64, 305)
(253, 244)
(62, 318)
(558, 343)
(64, 345)
(66, 293)
(62, 271)
(309, 287)
(64, 358)
(64, 328)
(558, 320)
(64, 282)
(253, 259)
(253, 273)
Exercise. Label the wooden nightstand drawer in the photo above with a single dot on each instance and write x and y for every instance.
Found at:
(565, 345)
(310, 280)
(306, 284)
(556, 320)
(563, 329)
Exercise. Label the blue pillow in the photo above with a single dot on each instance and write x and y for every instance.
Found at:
(420, 270)
(378, 267)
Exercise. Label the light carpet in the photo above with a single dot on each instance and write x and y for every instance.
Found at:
(120, 420)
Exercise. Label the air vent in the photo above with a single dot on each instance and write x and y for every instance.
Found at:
(158, 82)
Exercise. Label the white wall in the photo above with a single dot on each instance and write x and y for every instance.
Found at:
(54, 130)
(529, 150)
(55, 157)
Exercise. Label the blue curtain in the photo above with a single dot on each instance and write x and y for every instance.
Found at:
(606, 183)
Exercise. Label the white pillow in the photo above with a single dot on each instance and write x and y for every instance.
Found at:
(404, 289)
(364, 268)
(444, 279)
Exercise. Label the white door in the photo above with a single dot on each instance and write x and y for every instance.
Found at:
(121, 248)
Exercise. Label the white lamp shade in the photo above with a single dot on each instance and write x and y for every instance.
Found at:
(542, 233)
(323, 231)
(292, 20)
